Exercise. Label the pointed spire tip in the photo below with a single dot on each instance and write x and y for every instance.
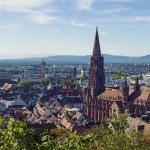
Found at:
(96, 28)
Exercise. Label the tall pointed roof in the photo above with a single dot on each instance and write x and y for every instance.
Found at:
(96, 49)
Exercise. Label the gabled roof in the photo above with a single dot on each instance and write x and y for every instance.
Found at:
(5, 85)
(114, 105)
(113, 94)
(144, 96)
(19, 102)
(134, 95)
(2, 107)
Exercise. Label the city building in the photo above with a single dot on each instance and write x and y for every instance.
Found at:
(5, 75)
(105, 103)
(42, 69)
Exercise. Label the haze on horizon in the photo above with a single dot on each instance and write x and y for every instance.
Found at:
(38, 28)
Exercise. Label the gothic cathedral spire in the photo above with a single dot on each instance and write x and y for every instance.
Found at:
(96, 79)
(96, 72)
(96, 49)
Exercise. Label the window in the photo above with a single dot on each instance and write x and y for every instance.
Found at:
(114, 110)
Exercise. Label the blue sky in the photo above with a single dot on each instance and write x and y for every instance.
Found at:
(37, 28)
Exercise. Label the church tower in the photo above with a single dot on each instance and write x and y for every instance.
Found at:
(137, 85)
(96, 71)
(96, 77)
(125, 90)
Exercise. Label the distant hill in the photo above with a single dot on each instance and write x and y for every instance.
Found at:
(126, 59)
(59, 59)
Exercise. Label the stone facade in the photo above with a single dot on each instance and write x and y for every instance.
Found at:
(103, 104)
(96, 79)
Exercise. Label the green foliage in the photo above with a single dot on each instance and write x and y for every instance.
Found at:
(115, 141)
(16, 135)
(47, 142)
(66, 81)
(45, 81)
(24, 84)
(117, 76)
(120, 123)
(1, 122)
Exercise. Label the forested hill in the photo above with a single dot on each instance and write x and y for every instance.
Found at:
(80, 59)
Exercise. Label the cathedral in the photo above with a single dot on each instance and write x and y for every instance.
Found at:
(104, 103)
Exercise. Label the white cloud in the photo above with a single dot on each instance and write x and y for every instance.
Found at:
(115, 1)
(84, 4)
(87, 4)
(110, 11)
(41, 19)
(140, 18)
(22, 4)
(103, 33)
(9, 26)
(85, 25)
(80, 24)
(33, 10)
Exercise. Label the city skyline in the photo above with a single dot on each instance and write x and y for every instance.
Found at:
(38, 28)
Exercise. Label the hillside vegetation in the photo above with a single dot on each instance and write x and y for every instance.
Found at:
(17, 136)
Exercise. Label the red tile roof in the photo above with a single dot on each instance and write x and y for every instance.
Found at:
(145, 96)
(113, 93)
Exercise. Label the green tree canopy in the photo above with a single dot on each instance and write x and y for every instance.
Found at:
(45, 81)
(15, 135)
(24, 84)
(66, 81)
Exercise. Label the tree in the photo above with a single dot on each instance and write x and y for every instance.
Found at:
(15, 136)
(66, 81)
(120, 123)
(45, 81)
(24, 84)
